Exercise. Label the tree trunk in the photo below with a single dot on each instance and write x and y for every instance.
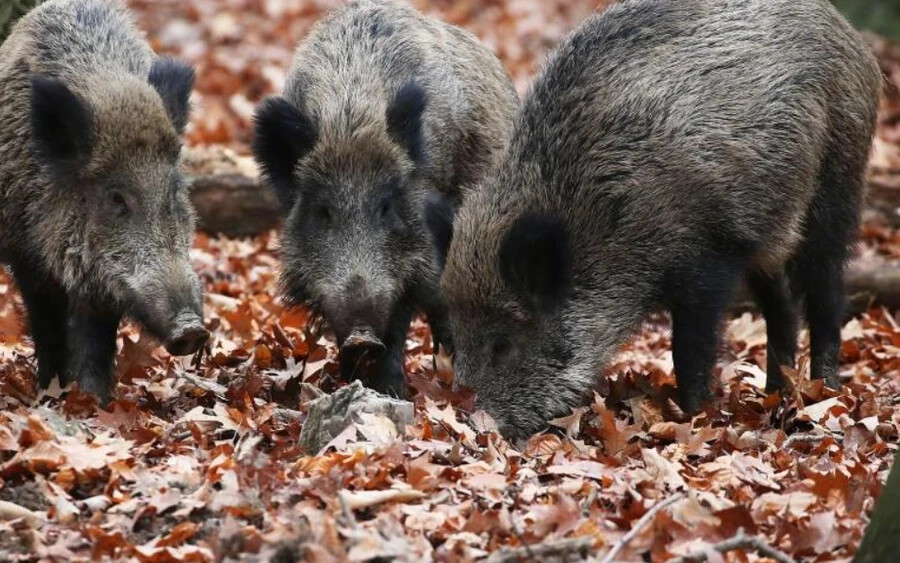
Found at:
(881, 541)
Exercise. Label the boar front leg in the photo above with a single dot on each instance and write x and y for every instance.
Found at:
(439, 320)
(435, 307)
(389, 377)
(46, 303)
(696, 314)
(92, 349)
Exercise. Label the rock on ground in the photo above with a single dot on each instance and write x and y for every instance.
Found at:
(330, 415)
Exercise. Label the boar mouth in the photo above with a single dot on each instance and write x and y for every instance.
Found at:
(182, 336)
(359, 351)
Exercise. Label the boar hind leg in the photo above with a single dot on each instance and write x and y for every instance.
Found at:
(696, 317)
(817, 270)
(773, 295)
(822, 282)
(46, 303)
(92, 350)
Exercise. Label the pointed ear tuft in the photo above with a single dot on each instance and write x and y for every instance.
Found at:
(535, 259)
(439, 221)
(404, 119)
(61, 124)
(173, 81)
(282, 136)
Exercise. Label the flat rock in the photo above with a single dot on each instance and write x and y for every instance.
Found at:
(330, 415)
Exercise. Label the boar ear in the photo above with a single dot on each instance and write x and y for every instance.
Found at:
(439, 221)
(404, 119)
(534, 258)
(173, 81)
(60, 124)
(282, 135)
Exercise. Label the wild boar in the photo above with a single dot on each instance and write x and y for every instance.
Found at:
(667, 150)
(95, 222)
(382, 107)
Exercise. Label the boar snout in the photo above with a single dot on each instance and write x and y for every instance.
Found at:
(359, 316)
(169, 305)
(362, 340)
(187, 336)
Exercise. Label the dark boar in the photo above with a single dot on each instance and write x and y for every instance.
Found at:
(382, 106)
(668, 150)
(95, 222)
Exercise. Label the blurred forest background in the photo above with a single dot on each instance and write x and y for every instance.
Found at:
(881, 16)
(241, 48)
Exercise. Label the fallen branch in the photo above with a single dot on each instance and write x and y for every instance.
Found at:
(12, 511)
(347, 513)
(228, 194)
(803, 439)
(642, 523)
(542, 551)
(740, 541)
(865, 285)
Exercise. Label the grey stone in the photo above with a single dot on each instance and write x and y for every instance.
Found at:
(330, 415)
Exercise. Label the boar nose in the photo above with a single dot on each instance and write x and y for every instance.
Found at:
(362, 339)
(188, 335)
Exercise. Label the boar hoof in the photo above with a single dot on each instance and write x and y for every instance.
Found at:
(692, 399)
(389, 380)
(45, 376)
(95, 384)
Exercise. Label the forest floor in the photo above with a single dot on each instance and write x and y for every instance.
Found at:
(198, 458)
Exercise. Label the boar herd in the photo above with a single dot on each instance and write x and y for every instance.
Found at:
(667, 152)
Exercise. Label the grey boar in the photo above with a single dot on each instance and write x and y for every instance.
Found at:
(382, 107)
(95, 222)
(667, 151)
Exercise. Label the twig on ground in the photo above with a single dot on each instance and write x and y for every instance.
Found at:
(514, 490)
(740, 541)
(542, 551)
(803, 439)
(635, 530)
(12, 511)
(348, 513)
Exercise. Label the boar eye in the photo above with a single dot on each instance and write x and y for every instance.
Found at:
(385, 209)
(501, 348)
(117, 204)
(323, 214)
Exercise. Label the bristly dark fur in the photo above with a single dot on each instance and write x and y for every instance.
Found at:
(61, 125)
(173, 81)
(382, 106)
(684, 145)
(439, 221)
(404, 120)
(95, 223)
(534, 259)
(283, 136)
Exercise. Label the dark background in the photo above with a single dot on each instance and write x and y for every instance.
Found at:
(880, 16)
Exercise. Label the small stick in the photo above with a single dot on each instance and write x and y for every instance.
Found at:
(803, 439)
(12, 511)
(642, 523)
(541, 551)
(348, 513)
(739, 541)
